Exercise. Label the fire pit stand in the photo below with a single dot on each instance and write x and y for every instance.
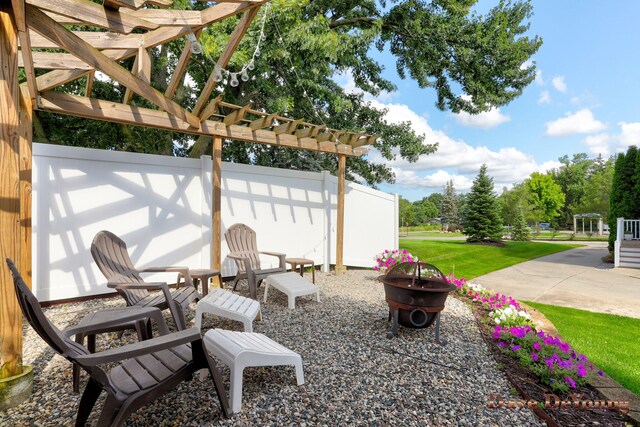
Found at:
(419, 317)
(416, 293)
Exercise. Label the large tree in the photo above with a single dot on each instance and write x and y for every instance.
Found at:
(546, 196)
(572, 178)
(482, 217)
(473, 62)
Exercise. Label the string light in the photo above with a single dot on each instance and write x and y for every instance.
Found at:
(219, 72)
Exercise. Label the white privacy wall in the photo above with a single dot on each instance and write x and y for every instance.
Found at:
(161, 207)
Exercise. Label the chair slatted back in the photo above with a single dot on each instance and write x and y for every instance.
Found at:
(241, 240)
(32, 311)
(111, 254)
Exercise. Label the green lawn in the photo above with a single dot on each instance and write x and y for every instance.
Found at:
(611, 342)
(471, 261)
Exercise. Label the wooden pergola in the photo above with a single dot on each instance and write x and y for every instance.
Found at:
(28, 28)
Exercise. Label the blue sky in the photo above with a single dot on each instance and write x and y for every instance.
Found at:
(586, 98)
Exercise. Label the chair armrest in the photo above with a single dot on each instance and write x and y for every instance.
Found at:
(141, 348)
(279, 255)
(122, 315)
(240, 257)
(180, 322)
(140, 285)
(175, 269)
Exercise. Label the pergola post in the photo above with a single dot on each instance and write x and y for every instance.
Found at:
(342, 165)
(216, 204)
(11, 326)
(15, 212)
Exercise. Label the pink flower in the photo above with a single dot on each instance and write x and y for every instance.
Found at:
(537, 346)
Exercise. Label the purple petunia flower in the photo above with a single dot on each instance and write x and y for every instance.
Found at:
(515, 347)
(535, 357)
(582, 371)
(502, 344)
(537, 346)
(600, 373)
(570, 381)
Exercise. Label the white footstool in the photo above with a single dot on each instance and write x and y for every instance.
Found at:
(226, 304)
(292, 285)
(239, 350)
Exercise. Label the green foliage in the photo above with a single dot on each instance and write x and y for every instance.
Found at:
(597, 188)
(623, 198)
(482, 215)
(514, 200)
(406, 212)
(572, 178)
(424, 210)
(449, 206)
(545, 195)
(519, 232)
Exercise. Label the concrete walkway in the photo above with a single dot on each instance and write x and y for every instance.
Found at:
(576, 278)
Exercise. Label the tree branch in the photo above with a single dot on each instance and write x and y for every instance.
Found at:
(352, 21)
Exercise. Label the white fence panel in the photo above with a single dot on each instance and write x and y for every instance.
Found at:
(161, 206)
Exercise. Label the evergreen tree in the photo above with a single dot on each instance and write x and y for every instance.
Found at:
(623, 200)
(520, 233)
(615, 199)
(449, 206)
(483, 222)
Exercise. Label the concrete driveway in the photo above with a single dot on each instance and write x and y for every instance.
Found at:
(576, 278)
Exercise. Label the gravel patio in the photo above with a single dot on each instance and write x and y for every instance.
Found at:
(354, 375)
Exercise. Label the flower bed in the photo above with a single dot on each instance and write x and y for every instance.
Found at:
(536, 362)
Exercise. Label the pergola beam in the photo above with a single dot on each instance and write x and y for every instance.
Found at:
(87, 12)
(81, 49)
(63, 103)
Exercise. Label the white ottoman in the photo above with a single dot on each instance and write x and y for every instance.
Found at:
(226, 304)
(239, 350)
(293, 285)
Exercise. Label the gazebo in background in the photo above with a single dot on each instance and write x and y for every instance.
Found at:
(29, 27)
(589, 218)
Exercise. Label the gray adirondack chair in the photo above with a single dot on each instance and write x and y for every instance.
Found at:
(241, 240)
(143, 371)
(110, 253)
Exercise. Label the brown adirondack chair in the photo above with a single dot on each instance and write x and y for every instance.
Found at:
(241, 240)
(110, 253)
(145, 369)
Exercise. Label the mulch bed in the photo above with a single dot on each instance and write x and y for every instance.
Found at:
(530, 388)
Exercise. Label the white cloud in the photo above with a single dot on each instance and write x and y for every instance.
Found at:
(455, 159)
(486, 120)
(545, 98)
(581, 121)
(539, 80)
(629, 134)
(559, 83)
(599, 143)
(348, 84)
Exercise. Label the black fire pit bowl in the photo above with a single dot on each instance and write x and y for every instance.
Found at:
(416, 293)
